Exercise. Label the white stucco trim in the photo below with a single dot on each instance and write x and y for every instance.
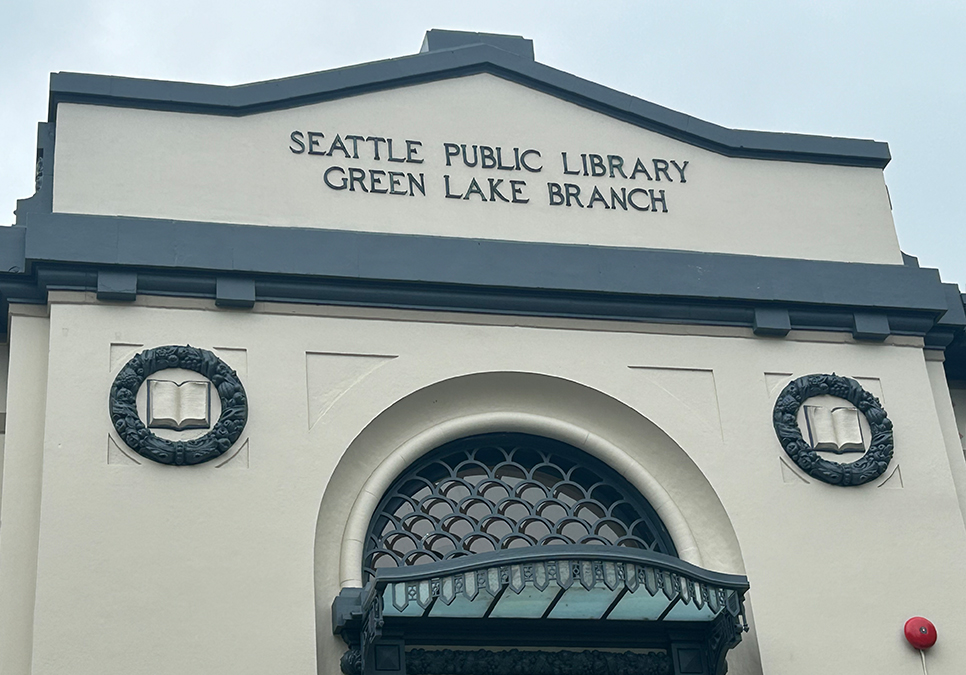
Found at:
(353, 539)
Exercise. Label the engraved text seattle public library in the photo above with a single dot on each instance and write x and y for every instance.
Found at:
(612, 193)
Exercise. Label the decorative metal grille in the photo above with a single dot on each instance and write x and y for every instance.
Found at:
(500, 491)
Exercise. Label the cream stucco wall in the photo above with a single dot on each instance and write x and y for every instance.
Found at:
(228, 567)
(22, 477)
(119, 161)
(4, 361)
(957, 395)
(944, 399)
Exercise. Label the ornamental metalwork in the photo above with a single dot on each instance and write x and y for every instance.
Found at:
(564, 597)
(534, 662)
(503, 491)
(698, 599)
(785, 418)
(128, 424)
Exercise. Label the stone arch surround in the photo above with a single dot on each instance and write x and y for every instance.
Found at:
(532, 403)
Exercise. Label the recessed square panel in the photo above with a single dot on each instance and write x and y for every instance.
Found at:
(388, 657)
(690, 661)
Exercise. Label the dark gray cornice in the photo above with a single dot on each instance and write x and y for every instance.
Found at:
(444, 63)
(480, 263)
(238, 265)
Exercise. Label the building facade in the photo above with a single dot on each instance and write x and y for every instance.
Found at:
(457, 364)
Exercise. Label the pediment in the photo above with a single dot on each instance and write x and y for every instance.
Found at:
(472, 142)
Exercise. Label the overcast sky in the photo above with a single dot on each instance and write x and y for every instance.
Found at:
(892, 71)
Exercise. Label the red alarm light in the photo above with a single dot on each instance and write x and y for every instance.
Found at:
(920, 632)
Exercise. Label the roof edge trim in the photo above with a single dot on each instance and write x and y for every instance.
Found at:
(247, 99)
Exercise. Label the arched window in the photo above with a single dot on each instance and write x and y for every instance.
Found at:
(508, 539)
(507, 490)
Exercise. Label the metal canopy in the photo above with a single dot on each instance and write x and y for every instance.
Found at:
(567, 597)
(559, 582)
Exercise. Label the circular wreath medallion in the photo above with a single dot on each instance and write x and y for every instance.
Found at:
(127, 422)
(785, 417)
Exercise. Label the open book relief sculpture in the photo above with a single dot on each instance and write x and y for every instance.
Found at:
(835, 430)
(179, 406)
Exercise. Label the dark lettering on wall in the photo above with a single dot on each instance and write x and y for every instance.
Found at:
(466, 161)
(633, 202)
(661, 166)
(314, 137)
(375, 182)
(487, 158)
(357, 176)
(499, 162)
(449, 194)
(337, 144)
(596, 197)
(640, 168)
(338, 186)
(412, 147)
(571, 190)
(417, 184)
(452, 150)
(495, 190)
(620, 201)
(474, 189)
(355, 144)
(597, 166)
(565, 169)
(681, 169)
(395, 180)
(526, 165)
(603, 167)
(616, 163)
(391, 158)
(375, 145)
(556, 194)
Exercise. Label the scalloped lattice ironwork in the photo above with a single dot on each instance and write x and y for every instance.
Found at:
(507, 490)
